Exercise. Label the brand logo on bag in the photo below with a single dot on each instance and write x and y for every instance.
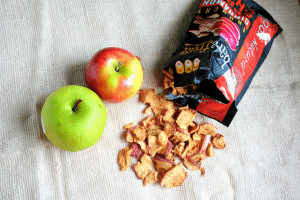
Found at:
(236, 9)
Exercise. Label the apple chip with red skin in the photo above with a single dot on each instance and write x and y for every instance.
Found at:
(218, 141)
(129, 135)
(207, 129)
(162, 165)
(191, 145)
(174, 177)
(198, 157)
(137, 152)
(124, 158)
(169, 148)
(169, 129)
(191, 164)
(194, 128)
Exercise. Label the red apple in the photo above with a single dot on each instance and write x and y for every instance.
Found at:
(114, 74)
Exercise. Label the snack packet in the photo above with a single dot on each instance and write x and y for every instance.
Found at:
(223, 48)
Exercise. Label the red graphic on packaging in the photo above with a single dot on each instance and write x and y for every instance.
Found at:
(213, 108)
(247, 59)
(220, 26)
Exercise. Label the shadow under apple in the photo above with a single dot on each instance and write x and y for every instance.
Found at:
(39, 106)
(75, 74)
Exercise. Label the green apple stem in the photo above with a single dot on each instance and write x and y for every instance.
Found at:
(75, 108)
(117, 69)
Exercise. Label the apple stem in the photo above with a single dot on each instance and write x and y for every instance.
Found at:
(118, 67)
(75, 108)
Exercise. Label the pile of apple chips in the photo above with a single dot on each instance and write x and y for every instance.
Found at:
(167, 142)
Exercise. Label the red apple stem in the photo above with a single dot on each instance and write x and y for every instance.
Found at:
(118, 67)
(75, 108)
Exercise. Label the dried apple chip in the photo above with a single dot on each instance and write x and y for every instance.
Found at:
(128, 126)
(198, 157)
(169, 129)
(162, 138)
(190, 146)
(169, 115)
(129, 136)
(202, 171)
(218, 141)
(162, 165)
(202, 144)
(192, 151)
(197, 137)
(160, 120)
(169, 148)
(174, 177)
(181, 90)
(155, 126)
(140, 170)
(168, 75)
(165, 108)
(194, 128)
(207, 129)
(143, 146)
(146, 161)
(180, 137)
(191, 164)
(154, 132)
(185, 118)
(153, 145)
(158, 104)
(137, 152)
(124, 158)
(147, 110)
(150, 178)
(210, 150)
(147, 96)
(179, 148)
(148, 121)
(170, 157)
(166, 82)
(139, 133)
(184, 131)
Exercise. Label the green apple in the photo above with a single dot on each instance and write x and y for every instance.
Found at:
(73, 118)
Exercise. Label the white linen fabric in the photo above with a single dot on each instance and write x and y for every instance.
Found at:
(46, 45)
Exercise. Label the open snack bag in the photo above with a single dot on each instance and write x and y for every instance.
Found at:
(224, 46)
